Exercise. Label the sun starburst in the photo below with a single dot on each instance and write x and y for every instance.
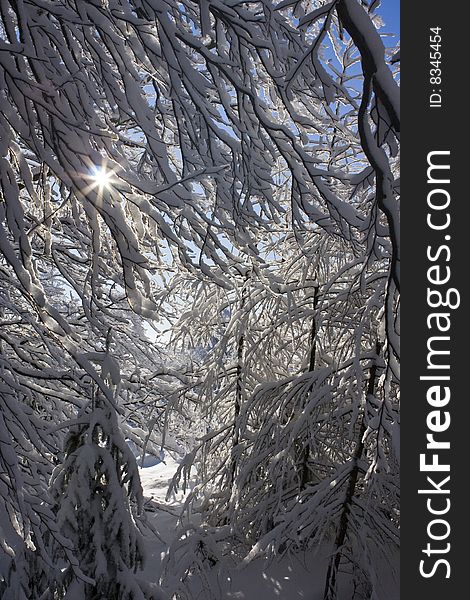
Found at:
(102, 177)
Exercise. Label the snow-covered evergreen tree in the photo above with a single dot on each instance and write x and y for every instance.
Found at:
(98, 502)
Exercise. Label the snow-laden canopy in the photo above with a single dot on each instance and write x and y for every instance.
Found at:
(226, 170)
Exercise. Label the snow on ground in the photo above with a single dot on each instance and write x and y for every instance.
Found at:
(162, 515)
(300, 577)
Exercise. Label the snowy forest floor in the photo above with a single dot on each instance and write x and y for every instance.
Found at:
(293, 577)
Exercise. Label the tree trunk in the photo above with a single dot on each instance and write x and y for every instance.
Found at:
(332, 573)
(239, 392)
(304, 473)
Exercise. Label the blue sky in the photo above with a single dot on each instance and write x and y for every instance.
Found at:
(390, 12)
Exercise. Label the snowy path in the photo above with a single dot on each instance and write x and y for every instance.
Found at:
(279, 581)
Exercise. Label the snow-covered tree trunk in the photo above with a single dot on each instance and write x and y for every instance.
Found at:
(350, 489)
(304, 450)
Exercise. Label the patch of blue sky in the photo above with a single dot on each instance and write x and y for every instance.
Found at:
(389, 10)
(150, 95)
(226, 123)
